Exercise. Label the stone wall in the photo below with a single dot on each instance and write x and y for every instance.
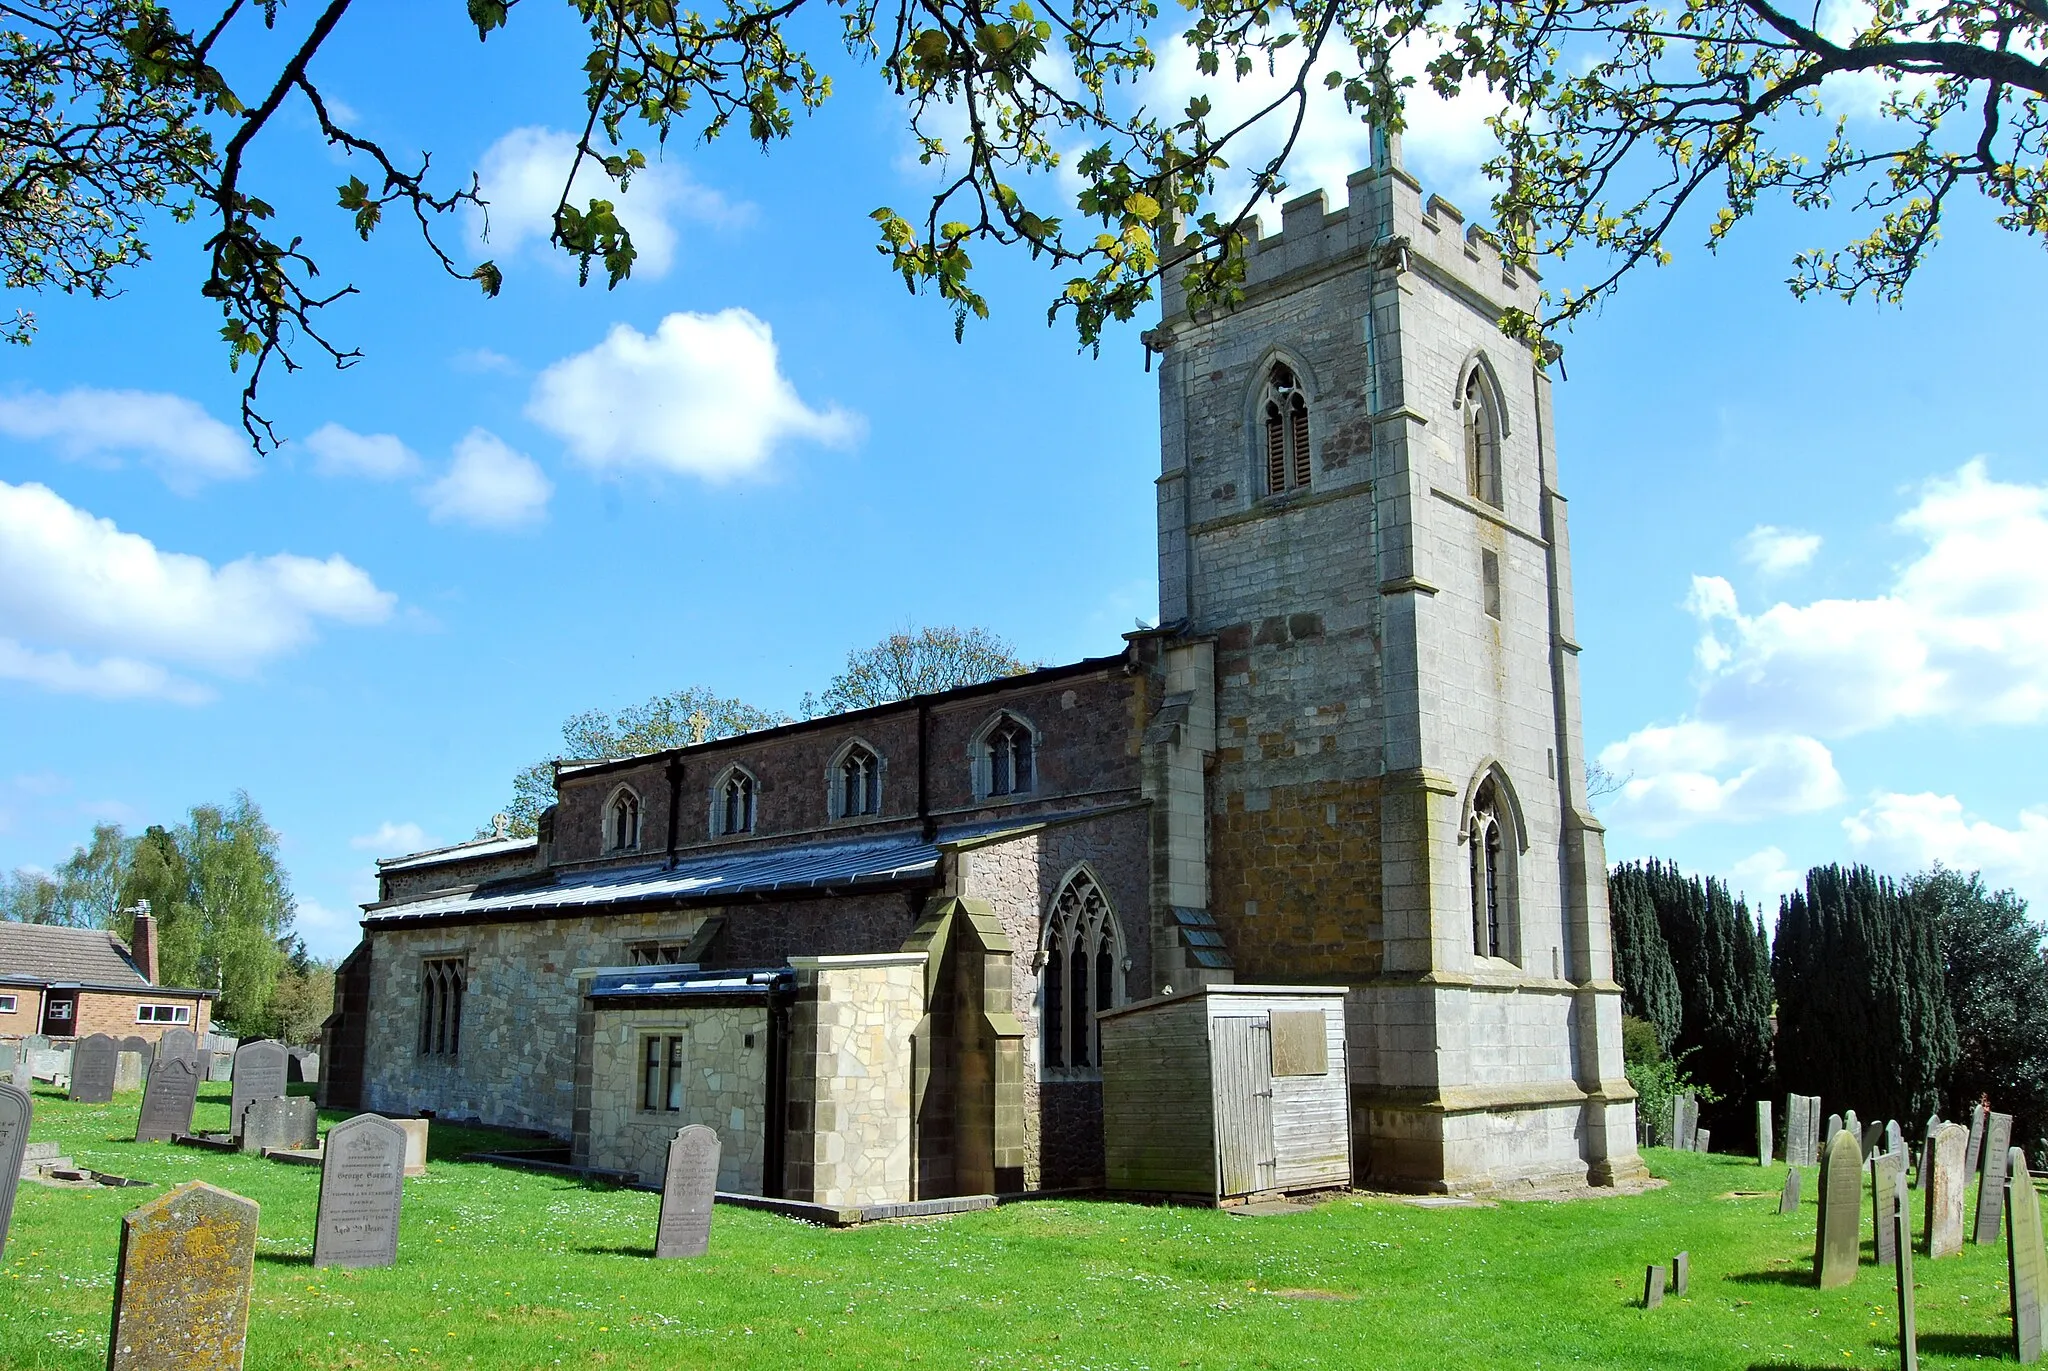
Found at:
(726, 1089)
(456, 869)
(850, 1077)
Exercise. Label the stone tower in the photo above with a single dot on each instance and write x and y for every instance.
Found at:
(1359, 507)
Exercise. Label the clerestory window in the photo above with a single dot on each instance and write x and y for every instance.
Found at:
(1083, 975)
(1007, 753)
(735, 803)
(622, 822)
(1283, 410)
(858, 784)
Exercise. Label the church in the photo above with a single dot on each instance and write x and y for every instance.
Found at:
(871, 949)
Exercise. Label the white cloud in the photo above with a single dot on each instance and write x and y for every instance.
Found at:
(391, 838)
(704, 395)
(338, 451)
(1912, 832)
(488, 485)
(480, 360)
(180, 440)
(1775, 551)
(1762, 877)
(522, 175)
(86, 608)
(327, 932)
(1959, 637)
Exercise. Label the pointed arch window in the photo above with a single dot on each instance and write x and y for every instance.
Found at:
(1482, 440)
(1008, 753)
(857, 783)
(733, 807)
(622, 822)
(1493, 881)
(1283, 413)
(1083, 975)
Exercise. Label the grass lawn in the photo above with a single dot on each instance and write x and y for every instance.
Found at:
(500, 1268)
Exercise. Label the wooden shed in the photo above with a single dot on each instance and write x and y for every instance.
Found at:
(1227, 1091)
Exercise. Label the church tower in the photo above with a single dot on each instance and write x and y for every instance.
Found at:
(1359, 509)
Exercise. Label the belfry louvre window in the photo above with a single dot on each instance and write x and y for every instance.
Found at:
(661, 1074)
(1482, 440)
(657, 954)
(1083, 975)
(859, 783)
(441, 987)
(1010, 763)
(624, 822)
(1284, 411)
(736, 803)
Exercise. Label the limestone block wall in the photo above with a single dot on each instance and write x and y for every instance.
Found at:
(850, 1065)
(726, 1089)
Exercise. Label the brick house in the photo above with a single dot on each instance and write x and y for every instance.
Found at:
(74, 982)
(870, 948)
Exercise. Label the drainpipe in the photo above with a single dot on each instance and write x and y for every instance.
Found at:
(675, 801)
(926, 824)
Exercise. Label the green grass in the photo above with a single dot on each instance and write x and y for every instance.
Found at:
(500, 1268)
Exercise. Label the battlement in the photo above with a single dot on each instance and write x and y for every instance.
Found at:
(1385, 210)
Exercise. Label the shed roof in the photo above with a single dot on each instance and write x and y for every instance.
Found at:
(458, 852)
(66, 956)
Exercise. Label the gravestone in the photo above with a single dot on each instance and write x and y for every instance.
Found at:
(1926, 1152)
(17, 1107)
(1700, 1138)
(35, 1042)
(1894, 1139)
(1834, 1127)
(1681, 1273)
(48, 1063)
(1813, 1130)
(415, 1145)
(181, 1288)
(92, 1069)
(1948, 1191)
(2026, 1262)
(1991, 1187)
(1980, 1115)
(1788, 1203)
(1763, 1133)
(129, 1069)
(1854, 1125)
(221, 1069)
(10, 1053)
(1653, 1286)
(687, 1188)
(259, 1075)
(1887, 1174)
(1795, 1130)
(177, 1042)
(1677, 1121)
(304, 1066)
(22, 1078)
(1871, 1139)
(291, 1122)
(168, 1099)
(1902, 1242)
(1838, 1240)
(362, 1181)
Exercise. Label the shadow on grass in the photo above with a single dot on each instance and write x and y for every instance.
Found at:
(1989, 1346)
(286, 1258)
(1792, 1276)
(617, 1250)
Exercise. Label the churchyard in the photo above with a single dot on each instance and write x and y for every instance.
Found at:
(505, 1268)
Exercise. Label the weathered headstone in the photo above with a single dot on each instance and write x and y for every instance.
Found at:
(1795, 1131)
(20, 1076)
(1763, 1133)
(2026, 1262)
(49, 1063)
(282, 1121)
(1926, 1153)
(92, 1069)
(415, 1145)
(1701, 1137)
(129, 1071)
(221, 1069)
(362, 1182)
(1894, 1139)
(1902, 1240)
(1788, 1203)
(1872, 1138)
(687, 1189)
(1653, 1285)
(177, 1042)
(1834, 1127)
(17, 1107)
(168, 1099)
(1677, 1121)
(1837, 1242)
(304, 1066)
(1991, 1188)
(259, 1075)
(1813, 1130)
(1681, 1273)
(181, 1288)
(1980, 1115)
(1887, 1173)
(1854, 1125)
(1948, 1191)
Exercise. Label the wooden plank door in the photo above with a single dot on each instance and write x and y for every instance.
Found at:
(1241, 1049)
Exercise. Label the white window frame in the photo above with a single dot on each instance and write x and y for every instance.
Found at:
(664, 1062)
(9, 1003)
(65, 1011)
(152, 1013)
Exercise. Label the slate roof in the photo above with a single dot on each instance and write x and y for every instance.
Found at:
(459, 852)
(65, 956)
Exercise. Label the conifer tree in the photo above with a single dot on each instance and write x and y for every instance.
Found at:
(1642, 961)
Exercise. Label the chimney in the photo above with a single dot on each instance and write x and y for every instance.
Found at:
(143, 944)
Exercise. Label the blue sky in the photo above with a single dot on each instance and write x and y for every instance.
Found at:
(1807, 537)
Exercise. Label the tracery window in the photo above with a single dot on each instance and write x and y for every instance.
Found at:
(1083, 975)
(441, 986)
(735, 803)
(1007, 751)
(1284, 411)
(858, 784)
(622, 822)
(1482, 440)
(1492, 876)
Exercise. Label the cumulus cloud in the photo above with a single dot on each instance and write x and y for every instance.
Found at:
(390, 838)
(174, 436)
(1763, 876)
(488, 485)
(1775, 551)
(703, 395)
(1960, 636)
(522, 175)
(338, 451)
(1912, 832)
(88, 609)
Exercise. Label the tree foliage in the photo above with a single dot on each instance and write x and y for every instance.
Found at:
(1863, 1005)
(84, 890)
(1622, 123)
(923, 661)
(1642, 961)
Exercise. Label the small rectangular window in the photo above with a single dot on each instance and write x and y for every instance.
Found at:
(59, 1009)
(661, 1074)
(163, 1013)
(6, 1004)
(441, 989)
(650, 1075)
(656, 954)
(1489, 581)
